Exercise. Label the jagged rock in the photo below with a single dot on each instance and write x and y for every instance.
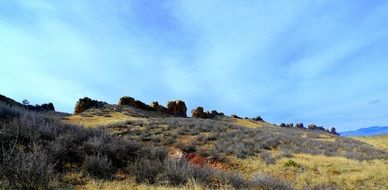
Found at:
(129, 101)
(177, 108)
(199, 113)
(155, 105)
(86, 103)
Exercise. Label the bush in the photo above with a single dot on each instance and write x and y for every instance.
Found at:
(292, 163)
(265, 181)
(7, 113)
(267, 157)
(177, 171)
(189, 148)
(286, 153)
(147, 171)
(236, 181)
(26, 169)
(99, 166)
(202, 175)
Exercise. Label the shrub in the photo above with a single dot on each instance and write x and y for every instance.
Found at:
(99, 166)
(265, 181)
(147, 171)
(189, 148)
(236, 180)
(258, 118)
(7, 113)
(203, 174)
(292, 163)
(267, 157)
(26, 169)
(286, 153)
(177, 171)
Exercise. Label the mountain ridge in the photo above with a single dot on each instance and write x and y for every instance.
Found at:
(367, 131)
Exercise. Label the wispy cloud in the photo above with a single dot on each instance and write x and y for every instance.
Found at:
(296, 61)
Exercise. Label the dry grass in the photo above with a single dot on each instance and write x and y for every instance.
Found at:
(250, 123)
(96, 121)
(131, 185)
(380, 142)
(310, 169)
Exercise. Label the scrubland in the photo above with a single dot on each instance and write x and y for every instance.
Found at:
(123, 148)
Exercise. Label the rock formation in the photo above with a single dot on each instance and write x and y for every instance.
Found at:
(155, 106)
(43, 107)
(177, 108)
(86, 103)
(199, 113)
(126, 100)
(129, 101)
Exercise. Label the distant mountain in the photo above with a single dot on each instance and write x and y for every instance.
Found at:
(369, 131)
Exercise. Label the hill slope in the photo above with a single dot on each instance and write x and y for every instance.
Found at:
(123, 147)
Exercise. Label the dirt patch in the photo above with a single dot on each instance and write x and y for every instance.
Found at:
(196, 159)
(202, 161)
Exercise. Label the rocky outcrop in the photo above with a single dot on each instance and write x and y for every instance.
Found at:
(177, 108)
(155, 106)
(126, 100)
(86, 103)
(41, 108)
(199, 113)
(129, 101)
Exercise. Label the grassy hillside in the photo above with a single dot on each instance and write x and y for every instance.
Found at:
(380, 142)
(118, 147)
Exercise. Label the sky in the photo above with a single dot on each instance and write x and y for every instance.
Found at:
(322, 62)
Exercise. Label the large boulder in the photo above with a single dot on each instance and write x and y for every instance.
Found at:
(86, 103)
(177, 108)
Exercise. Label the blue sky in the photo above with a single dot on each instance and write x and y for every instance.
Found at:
(323, 62)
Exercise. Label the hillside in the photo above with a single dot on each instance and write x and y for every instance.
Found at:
(369, 131)
(132, 145)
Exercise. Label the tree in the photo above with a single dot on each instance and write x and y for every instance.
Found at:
(25, 102)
